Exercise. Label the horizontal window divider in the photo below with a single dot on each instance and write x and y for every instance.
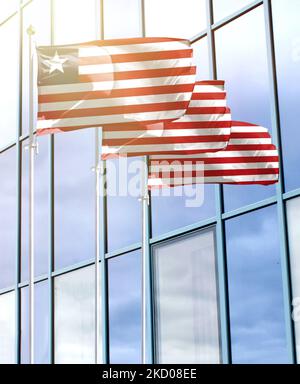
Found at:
(250, 208)
(123, 251)
(3, 291)
(292, 194)
(199, 36)
(184, 230)
(37, 280)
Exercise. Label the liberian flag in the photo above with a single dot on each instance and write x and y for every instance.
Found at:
(205, 127)
(249, 158)
(102, 83)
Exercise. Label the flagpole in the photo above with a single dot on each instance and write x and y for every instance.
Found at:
(32, 150)
(145, 254)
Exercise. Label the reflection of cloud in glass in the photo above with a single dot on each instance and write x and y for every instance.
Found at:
(255, 289)
(75, 317)
(7, 328)
(125, 308)
(186, 300)
(8, 215)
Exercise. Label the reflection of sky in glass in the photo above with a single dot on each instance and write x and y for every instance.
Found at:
(9, 95)
(186, 300)
(41, 206)
(255, 289)
(225, 8)
(125, 308)
(41, 318)
(293, 212)
(242, 62)
(8, 214)
(7, 328)
(287, 42)
(74, 197)
(75, 317)
(7, 8)
(175, 18)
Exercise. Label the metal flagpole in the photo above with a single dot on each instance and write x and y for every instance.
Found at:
(32, 151)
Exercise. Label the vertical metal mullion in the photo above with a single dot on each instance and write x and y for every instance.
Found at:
(146, 202)
(19, 198)
(281, 208)
(102, 220)
(220, 230)
(51, 222)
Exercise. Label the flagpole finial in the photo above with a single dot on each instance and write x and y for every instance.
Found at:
(30, 30)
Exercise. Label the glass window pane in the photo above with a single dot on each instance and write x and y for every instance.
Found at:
(125, 308)
(7, 328)
(8, 7)
(8, 217)
(75, 317)
(38, 14)
(74, 197)
(124, 219)
(255, 289)
(287, 43)
(186, 300)
(41, 325)
(41, 206)
(9, 80)
(201, 59)
(175, 18)
(122, 18)
(293, 213)
(244, 67)
(75, 21)
(225, 8)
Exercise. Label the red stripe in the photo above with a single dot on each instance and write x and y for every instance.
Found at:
(207, 110)
(217, 160)
(119, 110)
(209, 96)
(250, 135)
(251, 147)
(258, 182)
(198, 125)
(140, 74)
(136, 57)
(165, 140)
(243, 124)
(91, 95)
(210, 82)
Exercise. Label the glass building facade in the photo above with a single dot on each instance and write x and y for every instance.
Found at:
(225, 277)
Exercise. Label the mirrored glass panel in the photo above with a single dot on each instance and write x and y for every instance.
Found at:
(74, 197)
(287, 44)
(293, 213)
(186, 300)
(122, 19)
(7, 328)
(8, 217)
(125, 308)
(255, 289)
(201, 59)
(8, 7)
(41, 325)
(9, 80)
(175, 18)
(75, 317)
(244, 67)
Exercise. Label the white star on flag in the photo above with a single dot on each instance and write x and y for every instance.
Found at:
(56, 63)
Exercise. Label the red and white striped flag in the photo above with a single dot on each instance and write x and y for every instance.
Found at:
(205, 127)
(250, 158)
(101, 83)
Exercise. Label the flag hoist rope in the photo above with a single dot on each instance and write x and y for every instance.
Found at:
(32, 147)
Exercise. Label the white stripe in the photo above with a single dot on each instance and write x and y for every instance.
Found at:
(117, 101)
(162, 147)
(248, 128)
(205, 117)
(93, 51)
(207, 103)
(164, 133)
(134, 66)
(249, 141)
(119, 84)
(218, 155)
(95, 121)
(209, 88)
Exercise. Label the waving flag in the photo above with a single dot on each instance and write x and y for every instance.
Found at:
(136, 81)
(205, 127)
(250, 158)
